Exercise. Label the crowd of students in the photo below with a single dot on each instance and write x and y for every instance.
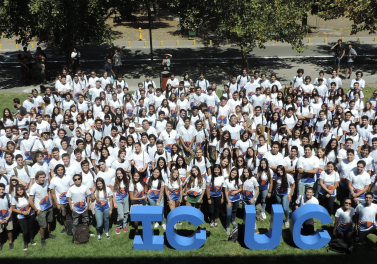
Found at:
(92, 149)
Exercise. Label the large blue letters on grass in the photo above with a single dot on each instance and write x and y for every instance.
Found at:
(320, 238)
(149, 241)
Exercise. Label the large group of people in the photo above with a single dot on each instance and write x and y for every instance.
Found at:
(92, 149)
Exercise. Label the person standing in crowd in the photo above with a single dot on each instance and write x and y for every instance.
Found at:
(339, 54)
(351, 56)
(117, 61)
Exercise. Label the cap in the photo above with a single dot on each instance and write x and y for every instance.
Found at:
(132, 125)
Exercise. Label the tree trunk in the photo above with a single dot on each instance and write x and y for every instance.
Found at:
(245, 62)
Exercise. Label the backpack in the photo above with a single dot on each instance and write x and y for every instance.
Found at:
(234, 234)
(82, 234)
(338, 245)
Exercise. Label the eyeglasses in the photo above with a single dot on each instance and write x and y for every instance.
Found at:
(77, 179)
(239, 160)
(346, 203)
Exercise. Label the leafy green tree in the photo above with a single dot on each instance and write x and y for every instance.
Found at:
(362, 12)
(62, 23)
(248, 23)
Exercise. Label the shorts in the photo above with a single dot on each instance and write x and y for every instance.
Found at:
(45, 217)
(337, 61)
(349, 64)
(346, 232)
(193, 199)
(65, 209)
(8, 226)
(138, 202)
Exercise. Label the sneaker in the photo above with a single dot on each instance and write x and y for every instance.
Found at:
(228, 231)
(286, 224)
(33, 242)
(263, 215)
(117, 231)
(107, 235)
(63, 231)
(234, 223)
(11, 246)
(156, 225)
(164, 226)
(216, 224)
(43, 242)
(25, 247)
(212, 225)
(99, 237)
(91, 233)
(51, 236)
(125, 229)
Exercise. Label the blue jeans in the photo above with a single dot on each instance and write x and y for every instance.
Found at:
(337, 61)
(231, 213)
(123, 210)
(102, 218)
(154, 202)
(263, 199)
(283, 200)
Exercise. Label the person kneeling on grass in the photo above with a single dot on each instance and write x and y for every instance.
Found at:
(307, 198)
(233, 188)
(39, 199)
(365, 218)
(103, 207)
(78, 199)
(343, 227)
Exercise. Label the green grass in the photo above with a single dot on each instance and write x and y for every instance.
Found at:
(215, 250)
(6, 100)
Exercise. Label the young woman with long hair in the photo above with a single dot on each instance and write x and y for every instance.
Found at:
(273, 125)
(195, 188)
(233, 190)
(329, 182)
(215, 195)
(181, 166)
(251, 159)
(284, 186)
(155, 186)
(96, 153)
(213, 139)
(264, 177)
(138, 191)
(173, 189)
(225, 142)
(120, 187)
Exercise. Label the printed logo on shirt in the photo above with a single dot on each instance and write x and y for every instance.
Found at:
(361, 196)
(79, 207)
(187, 144)
(168, 148)
(27, 186)
(222, 119)
(158, 134)
(247, 195)
(191, 105)
(63, 199)
(175, 194)
(243, 154)
(345, 132)
(172, 112)
(204, 175)
(47, 158)
(120, 195)
(25, 209)
(194, 193)
(316, 135)
(4, 214)
(77, 96)
(260, 156)
(278, 191)
(234, 141)
(129, 112)
(263, 185)
(183, 179)
(215, 191)
(345, 227)
(319, 173)
(233, 198)
(154, 194)
(306, 123)
(267, 105)
(210, 109)
(250, 94)
(27, 155)
(277, 109)
(102, 205)
(299, 104)
(199, 145)
(45, 203)
(140, 194)
(365, 225)
(273, 135)
(375, 194)
(307, 178)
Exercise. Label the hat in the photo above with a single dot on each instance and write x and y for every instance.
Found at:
(131, 125)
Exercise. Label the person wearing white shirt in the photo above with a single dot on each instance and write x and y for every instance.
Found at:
(147, 82)
(120, 82)
(223, 111)
(359, 75)
(169, 137)
(274, 157)
(321, 76)
(64, 88)
(334, 79)
(77, 87)
(302, 200)
(95, 91)
(29, 103)
(234, 129)
(233, 85)
(233, 102)
(140, 160)
(307, 167)
(298, 80)
(356, 137)
(105, 80)
(92, 80)
(273, 82)
(106, 173)
(307, 87)
(358, 183)
(343, 227)
(202, 83)
(233, 190)
(173, 82)
(264, 82)
(365, 218)
(242, 79)
(345, 167)
(329, 182)
(284, 187)
(258, 99)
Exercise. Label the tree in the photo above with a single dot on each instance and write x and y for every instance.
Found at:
(62, 23)
(362, 12)
(249, 23)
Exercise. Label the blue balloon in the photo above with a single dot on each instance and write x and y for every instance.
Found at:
(266, 241)
(146, 215)
(320, 238)
(195, 217)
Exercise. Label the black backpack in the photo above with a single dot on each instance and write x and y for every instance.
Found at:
(82, 234)
(234, 234)
(338, 245)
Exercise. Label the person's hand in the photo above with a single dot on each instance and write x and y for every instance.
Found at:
(327, 195)
(87, 208)
(300, 170)
(252, 201)
(158, 203)
(268, 195)
(115, 205)
(229, 205)
(199, 201)
(289, 198)
(38, 212)
(170, 202)
(209, 201)
(2, 222)
(233, 193)
(185, 198)
(222, 200)
(59, 207)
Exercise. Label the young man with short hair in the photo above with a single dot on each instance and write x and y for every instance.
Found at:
(303, 199)
(6, 220)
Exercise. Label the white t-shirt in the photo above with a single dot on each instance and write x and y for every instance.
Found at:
(122, 192)
(103, 203)
(195, 189)
(359, 182)
(22, 205)
(329, 180)
(140, 159)
(154, 191)
(78, 197)
(249, 188)
(367, 216)
(61, 187)
(308, 164)
(345, 219)
(215, 190)
(290, 180)
(138, 191)
(231, 186)
(107, 176)
(41, 196)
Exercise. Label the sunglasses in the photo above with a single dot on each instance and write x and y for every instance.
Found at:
(347, 203)
(77, 179)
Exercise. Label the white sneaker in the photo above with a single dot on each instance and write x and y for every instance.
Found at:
(263, 215)
(228, 231)
(156, 225)
(286, 224)
(164, 226)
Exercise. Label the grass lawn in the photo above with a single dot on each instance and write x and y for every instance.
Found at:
(216, 249)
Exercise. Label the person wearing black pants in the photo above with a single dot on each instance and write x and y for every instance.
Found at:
(25, 214)
(215, 195)
(329, 181)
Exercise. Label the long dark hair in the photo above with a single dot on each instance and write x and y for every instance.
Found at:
(193, 177)
(100, 179)
(165, 167)
(328, 148)
(284, 179)
(223, 141)
(286, 149)
(57, 167)
(118, 181)
(10, 115)
(212, 137)
(152, 178)
(20, 186)
(184, 164)
(248, 157)
(243, 177)
(217, 166)
(236, 179)
(267, 171)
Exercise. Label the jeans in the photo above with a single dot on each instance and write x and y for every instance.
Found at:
(231, 213)
(123, 210)
(102, 218)
(214, 208)
(337, 61)
(154, 202)
(317, 188)
(328, 203)
(302, 187)
(263, 194)
(27, 228)
(283, 200)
